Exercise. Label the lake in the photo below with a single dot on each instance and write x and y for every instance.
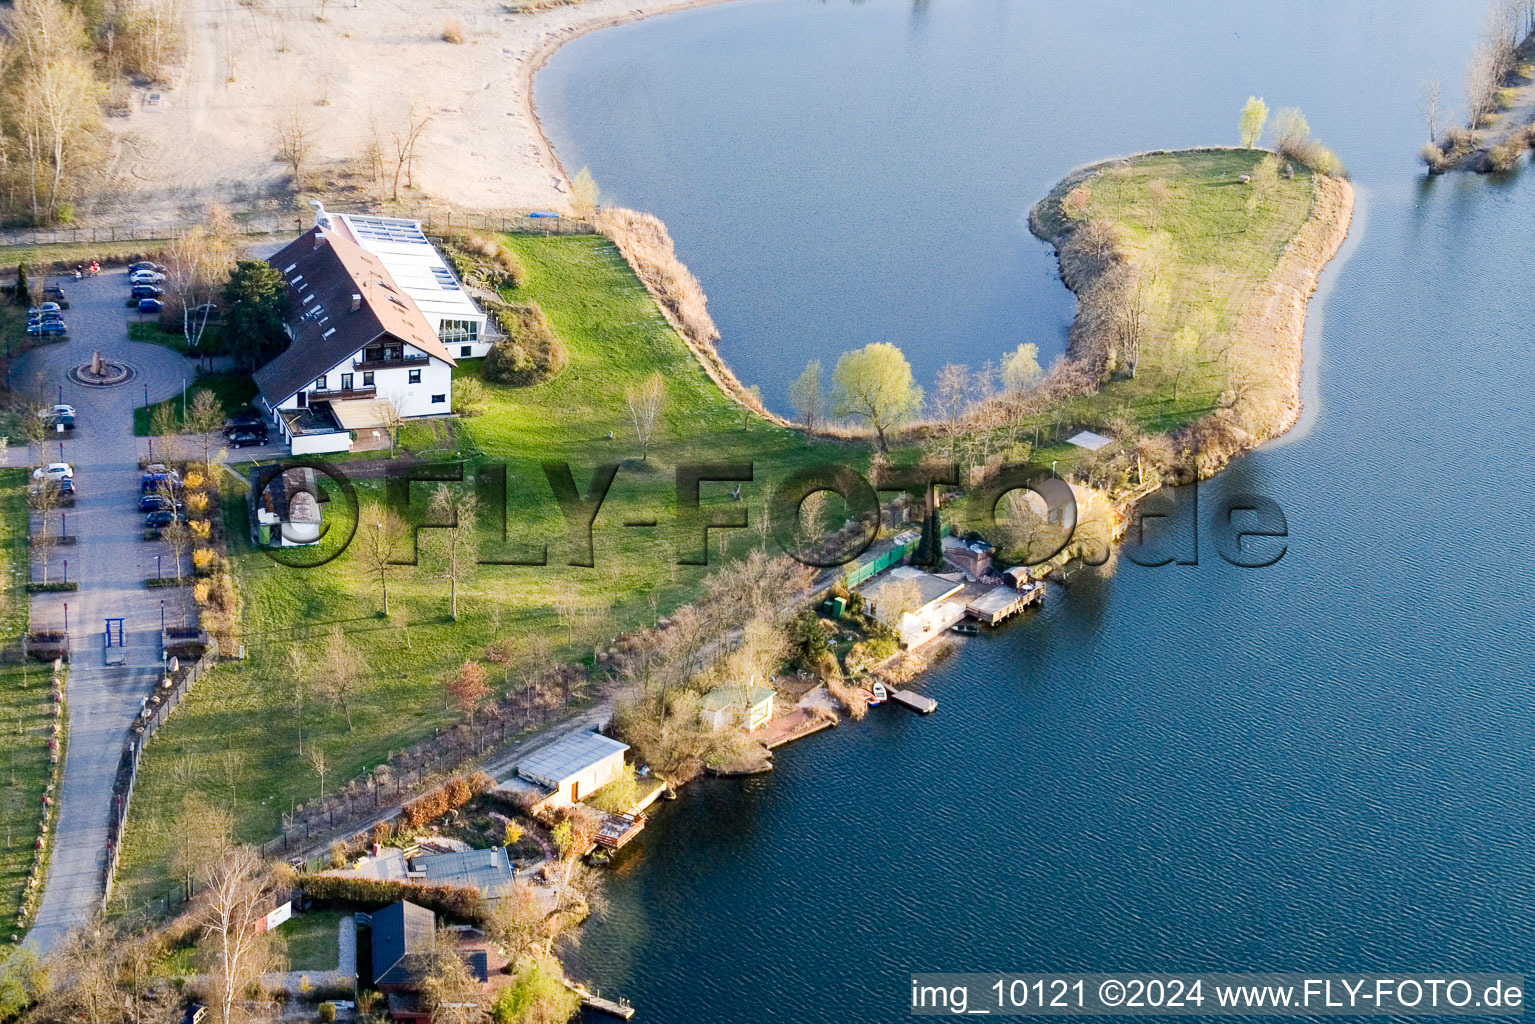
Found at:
(1326, 764)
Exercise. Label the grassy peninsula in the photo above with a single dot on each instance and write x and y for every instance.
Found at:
(1192, 269)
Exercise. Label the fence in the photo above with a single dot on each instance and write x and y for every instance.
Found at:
(292, 222)
(133, 749)
(359, 801)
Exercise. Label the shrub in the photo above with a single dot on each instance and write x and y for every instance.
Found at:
(202, 529)
(501, 652)
(530, 353)
(470, 397)
(618, 796)
(327, 1011)
(194, 481)
(452, 31)
(201, 591)
(203, 558)
(197, 503)
(535, 993)
(443, 799)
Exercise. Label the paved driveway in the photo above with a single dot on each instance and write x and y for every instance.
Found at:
(111, 562)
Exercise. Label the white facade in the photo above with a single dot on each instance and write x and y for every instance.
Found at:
(421, 384)
(418, 268)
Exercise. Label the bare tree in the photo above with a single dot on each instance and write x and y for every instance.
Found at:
(404, 140)
(204, 418)
(451, 993)
(293, 133)
(645, 403)
(1428, 103)
(383, 532)
(320, 764)
(340, 673)
(808, 396)
(458, 514)
(203, 832)
(178, 538)
(237, 888)
(391, 411)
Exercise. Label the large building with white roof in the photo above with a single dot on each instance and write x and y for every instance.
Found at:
(419, 269)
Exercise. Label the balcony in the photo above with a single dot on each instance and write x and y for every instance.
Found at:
(342, 394)
(390, 364)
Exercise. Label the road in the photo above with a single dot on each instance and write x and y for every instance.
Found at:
(111, 562)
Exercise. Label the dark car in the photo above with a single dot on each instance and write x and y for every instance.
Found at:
(67, 486)
(145, 265)
(243, 438)
(160, 517)
(150, 305)
(47, 328)
(147, 291)
(158, 503)
(157, 476)
(245, 419)
(54, 293)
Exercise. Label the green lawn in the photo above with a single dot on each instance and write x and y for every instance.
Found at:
(151, 332)
(236, 737)
(25, 710)
(311, 939)
(233, 390)
(1211, 250)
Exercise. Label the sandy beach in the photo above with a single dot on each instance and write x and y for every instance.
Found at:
(343, 64)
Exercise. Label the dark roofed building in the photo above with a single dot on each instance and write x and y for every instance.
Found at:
(402, 932)
(356, 339)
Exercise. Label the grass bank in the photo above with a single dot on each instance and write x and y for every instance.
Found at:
(236, 738)
(25, 711)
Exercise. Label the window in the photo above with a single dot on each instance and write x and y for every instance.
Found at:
(367, 378)
(439, 399)
(346, 382)
(451, 331)
(415, 376)
(319, 382)
(464, 350)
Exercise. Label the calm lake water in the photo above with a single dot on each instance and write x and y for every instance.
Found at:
(1327, 764)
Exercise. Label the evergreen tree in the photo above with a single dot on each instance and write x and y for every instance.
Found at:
(23, 290)
(253, 297)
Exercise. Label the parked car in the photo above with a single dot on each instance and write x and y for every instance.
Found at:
(47, 307)
(64, 414)
(156, 475)
(160, 517)
(150, 305)
(158, 503)
(146, 277)
(147, 291)
(67, 486)
(245, 419)
(243, 438)
(47, 328)
(54, 471)
(55, 293)
(134, 268)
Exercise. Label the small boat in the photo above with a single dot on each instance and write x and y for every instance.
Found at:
(880, 694)
(966, 628)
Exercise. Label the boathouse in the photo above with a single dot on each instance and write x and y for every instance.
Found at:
(572, 767)
(935, 609)
(751, 706)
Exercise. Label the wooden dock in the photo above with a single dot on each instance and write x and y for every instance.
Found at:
(998, 603)
(618, 829)
(915, 701)
(619, 1008)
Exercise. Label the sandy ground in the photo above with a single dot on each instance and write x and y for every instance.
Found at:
(211, 136)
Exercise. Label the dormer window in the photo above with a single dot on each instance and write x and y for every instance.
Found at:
(319, 382)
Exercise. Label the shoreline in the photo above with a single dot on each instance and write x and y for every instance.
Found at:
(1273, 317)
(540, 55)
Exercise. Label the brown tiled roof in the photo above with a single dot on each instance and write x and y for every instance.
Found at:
(328, 269)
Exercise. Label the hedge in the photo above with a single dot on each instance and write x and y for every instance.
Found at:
(454, 793)
(460, 902)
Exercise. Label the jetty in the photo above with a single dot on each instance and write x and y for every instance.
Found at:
(614, 1008)
(915, 701)
(618, 829)
(994, 604)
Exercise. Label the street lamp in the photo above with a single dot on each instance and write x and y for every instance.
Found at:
(162, 615)
(162, 603)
